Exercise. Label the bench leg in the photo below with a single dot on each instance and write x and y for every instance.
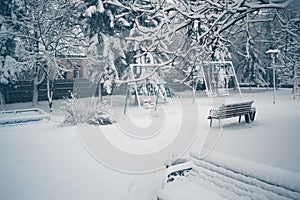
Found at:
(240, 118)
(247, 118)
(252, 113)
(210, 123)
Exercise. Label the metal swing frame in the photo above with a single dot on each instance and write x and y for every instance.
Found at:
(134, 83)
(204, 74)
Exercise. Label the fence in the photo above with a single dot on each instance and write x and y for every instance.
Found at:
(23, 90)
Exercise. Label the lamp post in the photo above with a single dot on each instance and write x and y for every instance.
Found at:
(274, 53)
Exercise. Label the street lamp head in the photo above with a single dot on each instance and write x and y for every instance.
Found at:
(273, 52)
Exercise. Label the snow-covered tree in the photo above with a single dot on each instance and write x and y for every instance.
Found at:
(258, 32)
(213, 31)
(248, 41)
(287, 36)
(180, 32)
(10, 67)
(48, 30)
(117, 31)
(104, 24)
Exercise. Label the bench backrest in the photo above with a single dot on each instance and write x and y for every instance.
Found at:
(235, 109)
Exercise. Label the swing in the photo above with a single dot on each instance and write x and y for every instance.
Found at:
(199, 80)
(147, 102)
(162, 91)
(217, 75)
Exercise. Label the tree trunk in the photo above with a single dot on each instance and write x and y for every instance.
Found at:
(50, 95)
(35, 94)
(2, 99)
(36, 70)
(100, 92)
(38, 78)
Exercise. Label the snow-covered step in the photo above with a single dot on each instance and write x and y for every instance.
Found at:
(240, 182)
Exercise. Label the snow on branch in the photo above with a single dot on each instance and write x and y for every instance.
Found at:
(157, 67)
(272, 4)
(181, 29)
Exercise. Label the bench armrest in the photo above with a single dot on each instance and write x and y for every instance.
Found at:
(213, 113)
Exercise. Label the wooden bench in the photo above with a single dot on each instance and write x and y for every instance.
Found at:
(178, 168)
(233, 110)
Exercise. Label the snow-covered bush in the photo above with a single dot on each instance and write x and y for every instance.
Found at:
(86, 110)
(9, 70)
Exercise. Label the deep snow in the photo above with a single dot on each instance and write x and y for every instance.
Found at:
(45, 161)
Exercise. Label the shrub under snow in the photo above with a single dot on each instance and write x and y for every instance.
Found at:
(86, 110)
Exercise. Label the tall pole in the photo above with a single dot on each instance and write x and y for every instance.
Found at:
(273, 53)
(295, 82)
(274, 77)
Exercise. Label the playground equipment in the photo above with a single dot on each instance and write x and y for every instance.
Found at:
(146, 83)
(218, 77)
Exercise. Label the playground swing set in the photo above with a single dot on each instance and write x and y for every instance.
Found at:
(150, 90)
(217, 76)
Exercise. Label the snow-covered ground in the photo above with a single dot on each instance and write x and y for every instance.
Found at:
(273, 138)
(42, 160)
